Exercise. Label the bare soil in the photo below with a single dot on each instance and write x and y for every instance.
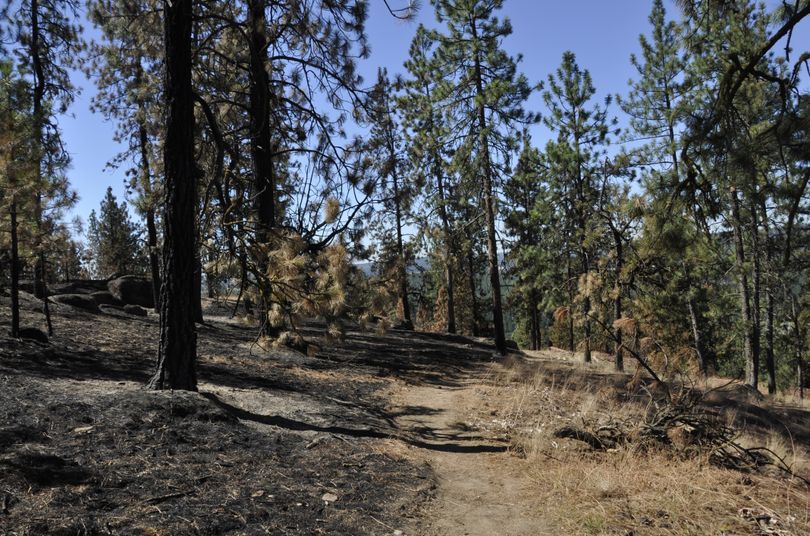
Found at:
(397, 434)
(275, 441)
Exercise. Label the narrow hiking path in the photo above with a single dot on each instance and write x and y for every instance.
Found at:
(481, 488)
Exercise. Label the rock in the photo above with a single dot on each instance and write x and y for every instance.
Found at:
(512, 345)
(135, 310)
(329, 497)
(34, 334)
(78, 286)
(105, 297)
(132, 290)
(79, 301)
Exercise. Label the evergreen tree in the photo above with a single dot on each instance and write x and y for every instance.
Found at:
(385, 146)
(15, 127)
(427, 137)
(125, 65)
(574, 164)
(49, 43)
(482, 97)
(177, 352)
(113, 239)
(522, 191)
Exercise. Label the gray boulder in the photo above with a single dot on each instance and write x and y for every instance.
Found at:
(132, 290)
(79, 301)
(135, 310)
(105, 297)
(78, 286)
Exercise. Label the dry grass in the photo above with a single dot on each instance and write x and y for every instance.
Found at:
(633, 490)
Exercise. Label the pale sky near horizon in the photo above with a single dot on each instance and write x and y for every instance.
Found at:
(602, 34)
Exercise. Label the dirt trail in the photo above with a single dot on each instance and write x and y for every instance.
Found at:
(481, 488)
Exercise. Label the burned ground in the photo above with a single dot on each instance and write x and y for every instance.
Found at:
(275, 441)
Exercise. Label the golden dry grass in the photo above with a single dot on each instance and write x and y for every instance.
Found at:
(630, 490)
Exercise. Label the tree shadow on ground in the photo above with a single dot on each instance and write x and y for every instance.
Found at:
(453, 443)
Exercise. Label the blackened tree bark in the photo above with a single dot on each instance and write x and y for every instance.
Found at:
(489, 206)
(261, 150)
(15, 273)
(403, 261)
(177, 354)
(473, 290)
(448, 251)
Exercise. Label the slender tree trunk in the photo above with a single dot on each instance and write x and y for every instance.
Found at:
(261, 149)
(15, 272)
(41, 280)
(40, 288)
(534, 321)
(177, 353)
(751, 359)
(154, 262)
(586, 266)
(402, 262)
(617, 301)
(151, 228)
(448, 262)
(198, 314)
(695, 317)
(489, 207)
(756, 283)
(798, 345)
(770, 365)
(695, 320)
(586, 307)
(473, 290)
(570, 276)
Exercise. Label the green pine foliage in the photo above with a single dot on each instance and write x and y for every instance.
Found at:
(113, 240)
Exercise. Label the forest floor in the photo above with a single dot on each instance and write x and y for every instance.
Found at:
(395, 433)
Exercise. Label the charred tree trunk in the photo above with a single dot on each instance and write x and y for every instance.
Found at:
(534, 321)
(40, 288)
(15, 272)
(448, 251)
(489, 207)
(751, 359)
(177, 353)
(198, 315)
(473, 290)
(403, 261)
(261, 150)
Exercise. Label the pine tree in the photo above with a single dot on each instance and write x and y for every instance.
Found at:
(482, 95)
(113, 239)
(386, 146)
(126, 68)
(426, 135)
(573, 159)
(177, 353)
(522, 191)
(14, 132)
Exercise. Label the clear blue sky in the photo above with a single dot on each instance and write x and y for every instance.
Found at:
(601, 33)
